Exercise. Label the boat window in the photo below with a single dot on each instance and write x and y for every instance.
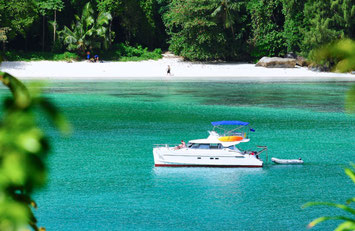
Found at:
(204, 146)
(233, 148)
(215, 146)
(194, 146)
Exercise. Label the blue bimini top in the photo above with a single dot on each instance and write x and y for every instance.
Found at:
(233, 122)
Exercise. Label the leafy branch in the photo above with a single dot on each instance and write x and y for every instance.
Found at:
(23, 149)
(348, 223)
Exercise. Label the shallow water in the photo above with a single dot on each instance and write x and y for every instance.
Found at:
(103, 176)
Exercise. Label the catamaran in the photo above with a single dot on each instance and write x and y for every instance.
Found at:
(217, 150)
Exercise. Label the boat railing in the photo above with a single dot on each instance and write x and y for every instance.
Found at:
(165, 145)
(263, 149)
(242, 134)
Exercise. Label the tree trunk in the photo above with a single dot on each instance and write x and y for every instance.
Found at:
(43, 28)
(54, 26)
(109, 32)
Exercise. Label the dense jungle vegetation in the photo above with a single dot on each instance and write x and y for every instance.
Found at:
(195, 29)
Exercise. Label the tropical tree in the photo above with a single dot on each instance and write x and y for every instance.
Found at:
(50, 5)
(115, 8)
(223, 11)
(141, 23)
(102, 36)
(87, 32)
(327, 21)
(267, 22)
(3, 37)
(18, 15)
(199, 30)
(293, 11)
(344, 16)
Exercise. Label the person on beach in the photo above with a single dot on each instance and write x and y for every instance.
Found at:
(96, 59)
(168, 71)
(88, 55)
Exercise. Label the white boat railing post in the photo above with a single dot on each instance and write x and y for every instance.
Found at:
(264, 148)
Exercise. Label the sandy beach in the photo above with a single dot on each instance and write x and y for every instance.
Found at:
(180, 70)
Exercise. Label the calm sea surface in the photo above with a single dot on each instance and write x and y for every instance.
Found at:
(103, 176)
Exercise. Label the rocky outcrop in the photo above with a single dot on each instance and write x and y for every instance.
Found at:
(276, 62)
(302, 62)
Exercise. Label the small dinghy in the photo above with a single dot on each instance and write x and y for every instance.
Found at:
(287, 161)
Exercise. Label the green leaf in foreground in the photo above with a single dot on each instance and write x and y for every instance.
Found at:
(350, 101)
(23, 150)
(348, 223)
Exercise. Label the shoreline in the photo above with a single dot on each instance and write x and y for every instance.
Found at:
(156, 70)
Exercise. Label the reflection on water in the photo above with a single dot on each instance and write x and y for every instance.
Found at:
(323, 96)
(220, 175)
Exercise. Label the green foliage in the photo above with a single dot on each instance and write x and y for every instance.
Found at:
(3, 36)
(115, 7)
(37, 56)
(23, 149)
(124, 52)
(203, 30)
(338, 56)
(293, 11)
(348, 223)
(194, 29)
(86, 32)
(267, 27)
(141, 23)
(49, 5)
(18, 15)
(344, 16)
(350, 101)
(327, 21)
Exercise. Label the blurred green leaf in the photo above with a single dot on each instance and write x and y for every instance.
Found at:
(349, 223)
(350, 200)
(21, 95)
(23, 148)
(350, 100)
(346, 226)
(340, 206)
(321, 219)
(339, 55)
(58, 118)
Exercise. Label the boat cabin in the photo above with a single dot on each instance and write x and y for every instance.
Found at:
(209, 146)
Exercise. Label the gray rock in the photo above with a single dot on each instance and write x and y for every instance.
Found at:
(290, 55)
(301, 61)
(276, 62)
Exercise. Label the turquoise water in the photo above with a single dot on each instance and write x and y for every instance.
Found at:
(103, 176)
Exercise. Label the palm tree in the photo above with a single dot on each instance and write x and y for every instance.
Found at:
(101, 30)
(86, 32)
(223, 11)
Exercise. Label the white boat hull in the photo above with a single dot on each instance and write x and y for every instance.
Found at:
(187, 157)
